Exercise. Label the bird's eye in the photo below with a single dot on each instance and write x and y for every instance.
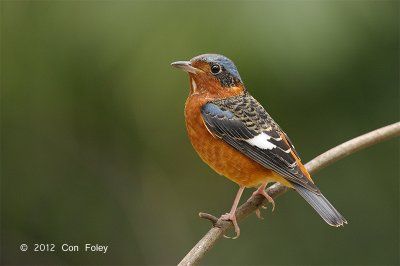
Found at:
(215, 69)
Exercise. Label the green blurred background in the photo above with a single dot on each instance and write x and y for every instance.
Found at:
(94, 147)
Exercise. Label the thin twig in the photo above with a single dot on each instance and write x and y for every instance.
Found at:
(220, 227)
(209, 217)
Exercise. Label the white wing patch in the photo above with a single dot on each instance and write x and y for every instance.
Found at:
(261, 141)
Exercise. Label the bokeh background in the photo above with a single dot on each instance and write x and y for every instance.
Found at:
(94, 147)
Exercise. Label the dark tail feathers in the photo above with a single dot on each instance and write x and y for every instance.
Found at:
(322, 206)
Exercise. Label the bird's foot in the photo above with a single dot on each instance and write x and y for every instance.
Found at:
(262, 192)
(258, 212)
(231, 217)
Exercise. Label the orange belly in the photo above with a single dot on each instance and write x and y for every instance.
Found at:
(220, 156)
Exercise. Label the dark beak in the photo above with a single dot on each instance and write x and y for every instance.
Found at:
(185, 66)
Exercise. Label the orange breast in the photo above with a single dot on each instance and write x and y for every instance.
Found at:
(220, 156)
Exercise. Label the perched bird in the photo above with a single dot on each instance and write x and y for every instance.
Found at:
(237, 138)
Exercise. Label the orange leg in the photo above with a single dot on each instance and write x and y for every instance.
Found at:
(231, 215)
(261, 191)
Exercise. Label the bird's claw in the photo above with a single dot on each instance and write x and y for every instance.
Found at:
(258, 214)
(232, 218)
(262, 192)
(273, 203)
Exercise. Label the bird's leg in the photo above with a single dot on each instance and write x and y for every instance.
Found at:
(261, 191)
(231, 215)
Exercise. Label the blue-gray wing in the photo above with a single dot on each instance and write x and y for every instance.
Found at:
(244, 124)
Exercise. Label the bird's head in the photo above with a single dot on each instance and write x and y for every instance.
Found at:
(213, 75)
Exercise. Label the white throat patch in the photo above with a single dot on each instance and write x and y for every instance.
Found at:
(194, 85)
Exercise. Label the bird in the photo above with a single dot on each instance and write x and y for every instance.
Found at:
(233, 133)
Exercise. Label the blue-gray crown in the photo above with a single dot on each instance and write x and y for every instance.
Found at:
(230, 75)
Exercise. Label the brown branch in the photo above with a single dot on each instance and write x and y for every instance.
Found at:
(220, 227)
